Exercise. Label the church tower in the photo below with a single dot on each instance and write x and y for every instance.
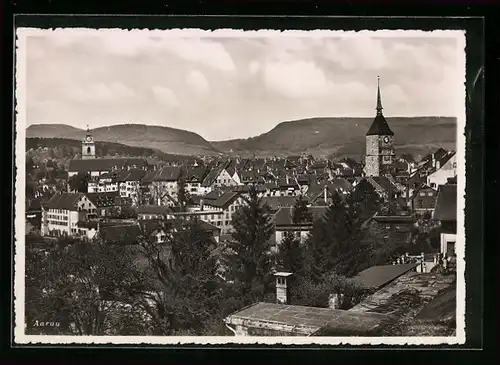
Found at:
(380, 153)
(88, 146)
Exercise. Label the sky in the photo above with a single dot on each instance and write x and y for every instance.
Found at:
(234, 85)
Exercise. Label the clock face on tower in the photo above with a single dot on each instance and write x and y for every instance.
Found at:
(386, 139)
(89, 138)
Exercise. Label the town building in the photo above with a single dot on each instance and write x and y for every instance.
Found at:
(446, 214)
(97, 166)
(443, 169)
(88, 146)
(62, 212)
(423, 200)
(283, 223)
(380, 152)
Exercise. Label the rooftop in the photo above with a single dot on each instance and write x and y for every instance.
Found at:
(306, 320)
(446, 203)
(378, 276)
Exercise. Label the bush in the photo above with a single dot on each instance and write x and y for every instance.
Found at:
(306, 292)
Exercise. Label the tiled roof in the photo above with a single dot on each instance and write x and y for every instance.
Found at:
(64, 201)
(224, 200)
(122, 234)
(196, 174)
(167, 173)
(101, 200)
(131, 175)
(211, 176)
(213, 195)
(446, 203)
(276, 202)
(153, 209)
(380, 127)
(284, 215)
(378, 276)
(208, 227)
(305, 321)
(104, 164)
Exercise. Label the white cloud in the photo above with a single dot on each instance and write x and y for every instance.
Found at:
(198, 82)
(101, 92)
(357, 53)
(207, 52)
(254, 67)
(301, 79)
(165, 96)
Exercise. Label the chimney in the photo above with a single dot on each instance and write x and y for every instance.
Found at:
(438, 165)
(282, 286)
(325, 194)
(433, 160)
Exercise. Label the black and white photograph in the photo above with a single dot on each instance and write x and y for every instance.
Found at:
(188, 186)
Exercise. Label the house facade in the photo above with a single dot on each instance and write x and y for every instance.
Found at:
(62, 212)
(443, 172)
(424, 200)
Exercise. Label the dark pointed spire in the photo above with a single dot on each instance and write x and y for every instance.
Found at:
(379, 126)
(379, 100)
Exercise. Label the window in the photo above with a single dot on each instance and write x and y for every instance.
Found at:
(422, 193)
(430, 193)
(454, 165)
(88, 150)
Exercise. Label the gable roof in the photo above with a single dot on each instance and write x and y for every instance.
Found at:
(284, 215)
(167, 173)
(378, 276)
(223, 200)
(101, 200)
(123, 233)
(380, 127)
(276, 202)
(446, 203)
(67, 201)
(131, 175)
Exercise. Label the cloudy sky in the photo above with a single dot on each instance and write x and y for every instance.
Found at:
(231, 86)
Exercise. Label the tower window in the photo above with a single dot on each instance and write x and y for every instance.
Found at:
(88, 150)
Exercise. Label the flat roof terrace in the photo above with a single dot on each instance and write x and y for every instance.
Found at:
(306, 321)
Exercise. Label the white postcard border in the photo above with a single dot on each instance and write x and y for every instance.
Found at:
(19, 259)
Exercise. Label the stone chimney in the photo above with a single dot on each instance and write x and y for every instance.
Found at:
(282, 288)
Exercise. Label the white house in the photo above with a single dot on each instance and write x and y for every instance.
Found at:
(444, 169)
(63, 211)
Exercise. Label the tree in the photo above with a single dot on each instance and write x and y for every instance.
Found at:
(185, 292)
(329, 240)
(301, 213)
(79, 182)
(183, 196)
(248, 258)
(30, 166)
(309, 293)
(363, 201)
(86, 287)
(291, 250)
(291, 254)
